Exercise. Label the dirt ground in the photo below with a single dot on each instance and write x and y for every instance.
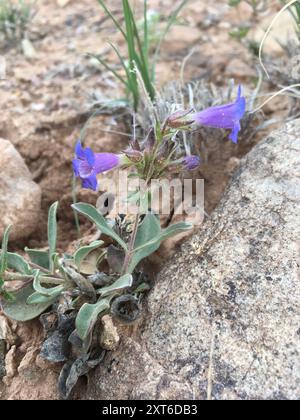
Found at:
(46, 100)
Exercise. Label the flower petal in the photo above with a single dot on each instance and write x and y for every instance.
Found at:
(234, 134)
(85, 170)
(90, 183)
(89, 156)
(106, 161)
(76, 163)
(79, 150)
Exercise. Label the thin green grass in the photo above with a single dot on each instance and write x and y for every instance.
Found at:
(140, 56)
(15, 17)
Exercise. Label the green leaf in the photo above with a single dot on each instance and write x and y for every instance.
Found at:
(18, 263)
(88, 315)
(147, 240)
(47, 292)
(84, 251)
(122, 283)
(91, 213)
(175, 229)
(39, 298)
(3, 256)
(19, 310)
(145, 245)
(109, 13)
(52, 233)
(8, 296)
(38, 257)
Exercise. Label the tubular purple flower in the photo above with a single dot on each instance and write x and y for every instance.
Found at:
(224, 116)
(191, 162)
(88, 164)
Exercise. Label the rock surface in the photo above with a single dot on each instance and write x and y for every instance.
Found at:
(20, 197)
(223, 320)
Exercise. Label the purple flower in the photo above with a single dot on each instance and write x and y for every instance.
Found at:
(225, 116)
(191, 162)
(88, 164)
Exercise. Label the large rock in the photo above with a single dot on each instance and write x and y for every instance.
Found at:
(223, 320)
(20, 197)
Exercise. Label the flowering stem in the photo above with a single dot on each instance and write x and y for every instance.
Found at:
(129, 252)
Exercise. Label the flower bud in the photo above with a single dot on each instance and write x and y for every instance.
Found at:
(180, 119)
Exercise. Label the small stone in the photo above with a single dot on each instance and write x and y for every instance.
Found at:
(109, 339)
(28, 49)
(11, 363)
(62, 3)
(20, 197)
(27, 368)
(6, 332)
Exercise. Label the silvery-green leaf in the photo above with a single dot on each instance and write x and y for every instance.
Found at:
(38, 298)
(88, 315)
(175, 229)
(48, 292)
(122, 283)
(84, 251)
(147, 240)
(52, 233)
(91, 213)
(18, 263)
(38, 257)
(3, 255)
(20, 311)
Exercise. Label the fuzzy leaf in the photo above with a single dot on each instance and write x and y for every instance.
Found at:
(84, 251)
(48, 292)
(52, 233)
(38, 257)
(147, 240)
(175, 229)
(19, 310)
(122, 283)
(87, 317)
(3, 255)
(18, 263)
(39, 298)
(92, 213)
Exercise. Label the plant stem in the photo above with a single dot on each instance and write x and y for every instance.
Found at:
(129, 253)
(25, 277)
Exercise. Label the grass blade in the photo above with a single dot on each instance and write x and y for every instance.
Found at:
(116, 23)
(52, 233)
(109, 68)
(171, 21)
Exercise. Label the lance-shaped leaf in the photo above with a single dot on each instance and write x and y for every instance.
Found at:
(92, 214)
(38, 298)
(144, 248)
(19, 310)
(3, 255)
(18, 263)
(84, 251)
(122, 283)
(39, 257)
(48, 292)
(147, 240)
(52, 234)
(88, 315)
(175, 229)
